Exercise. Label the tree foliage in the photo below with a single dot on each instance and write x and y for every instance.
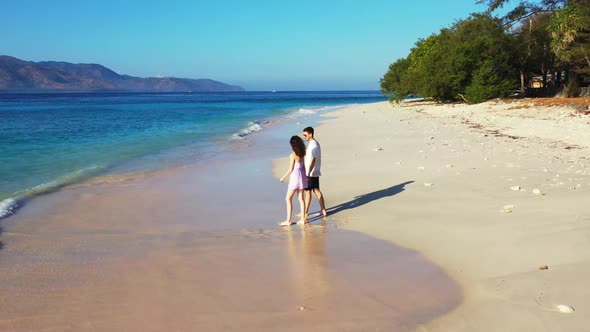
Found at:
(523, 9)
(484, 56)
(571, 36)
(470, 60)
(567, 26)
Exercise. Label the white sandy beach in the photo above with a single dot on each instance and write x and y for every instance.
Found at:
(492, 193)
(489, 193)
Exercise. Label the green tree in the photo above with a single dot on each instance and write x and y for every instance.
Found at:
(534, 54)
(571, 36)
(569, 28)
(523, 9)
(393, 82)
(468, 61)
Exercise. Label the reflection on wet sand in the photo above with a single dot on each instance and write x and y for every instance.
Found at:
(222, 281)
(309, 264)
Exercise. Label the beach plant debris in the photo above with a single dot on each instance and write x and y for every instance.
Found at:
(566, 309)
(543, 267)
(507, 208)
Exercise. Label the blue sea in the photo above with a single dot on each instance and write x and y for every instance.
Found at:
(48, 141)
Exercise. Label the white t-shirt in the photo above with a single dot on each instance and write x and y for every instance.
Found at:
(313, 150)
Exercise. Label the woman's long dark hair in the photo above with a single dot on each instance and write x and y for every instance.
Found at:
(298, 146)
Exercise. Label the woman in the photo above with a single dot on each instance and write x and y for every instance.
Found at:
(297, 179)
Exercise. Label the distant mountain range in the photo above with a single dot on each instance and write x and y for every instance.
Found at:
(51, 76)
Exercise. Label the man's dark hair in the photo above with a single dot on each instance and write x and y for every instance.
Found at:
(308, 130)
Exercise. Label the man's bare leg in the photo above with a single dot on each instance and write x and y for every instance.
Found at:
(307, 199)
(320, 197)
(302, 216)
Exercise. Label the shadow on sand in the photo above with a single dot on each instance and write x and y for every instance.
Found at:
(368, 198)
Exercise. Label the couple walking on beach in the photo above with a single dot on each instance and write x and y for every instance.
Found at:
(304, 176)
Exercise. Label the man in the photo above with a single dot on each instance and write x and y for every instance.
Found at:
(313, 164)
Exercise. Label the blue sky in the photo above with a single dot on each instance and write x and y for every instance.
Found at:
(260, 45)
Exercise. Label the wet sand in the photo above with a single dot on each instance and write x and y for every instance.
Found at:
(197, 248)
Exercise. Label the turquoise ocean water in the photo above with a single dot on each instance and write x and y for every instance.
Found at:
(48, 141)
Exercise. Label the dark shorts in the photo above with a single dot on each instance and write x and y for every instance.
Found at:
(313, 182)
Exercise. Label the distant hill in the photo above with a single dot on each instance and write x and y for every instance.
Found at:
(50, 76)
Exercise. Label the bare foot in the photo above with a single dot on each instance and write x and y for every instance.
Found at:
(302, 221)
(324, 213)
(286, 223)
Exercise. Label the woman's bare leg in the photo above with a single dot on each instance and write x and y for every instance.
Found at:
(303, 215)
(288, 201)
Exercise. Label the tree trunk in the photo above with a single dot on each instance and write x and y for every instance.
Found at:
(545, 90)
(522, 82)
(585, 55)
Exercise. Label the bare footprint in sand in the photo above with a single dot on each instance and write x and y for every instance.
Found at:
(286, 223)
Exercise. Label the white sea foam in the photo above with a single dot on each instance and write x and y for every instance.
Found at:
(304, 112)
(8, 207)
(251, 128)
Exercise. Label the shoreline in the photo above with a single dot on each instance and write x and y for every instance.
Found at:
(499, 192)
(172, 158)
(200, 243)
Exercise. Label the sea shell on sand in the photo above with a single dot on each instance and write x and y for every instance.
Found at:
(538, 192)
(428, 184)
(566, 309)
(515, 188)
(378, 148)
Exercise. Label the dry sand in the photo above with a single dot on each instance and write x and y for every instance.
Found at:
(492, 193)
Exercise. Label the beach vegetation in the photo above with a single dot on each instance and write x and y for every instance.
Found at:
(537, 48)
(468, 61)
(562, 28)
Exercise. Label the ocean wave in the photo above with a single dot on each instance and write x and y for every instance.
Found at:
(10, 205)
(252, 127)
(63, 181)
(304, 112)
